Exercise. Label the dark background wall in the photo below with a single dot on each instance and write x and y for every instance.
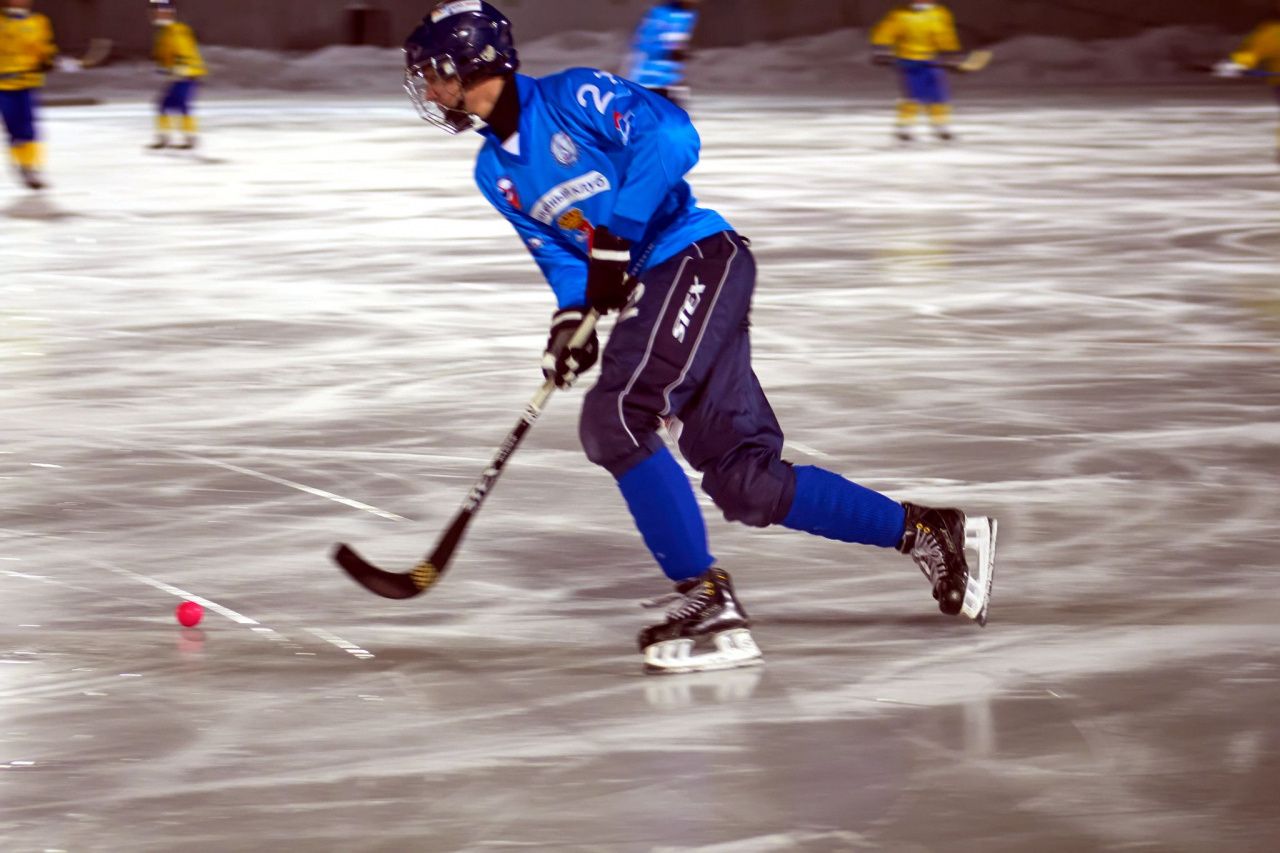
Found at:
(309, 24)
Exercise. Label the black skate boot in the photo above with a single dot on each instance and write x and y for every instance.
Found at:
(706, 628)
(936, 539)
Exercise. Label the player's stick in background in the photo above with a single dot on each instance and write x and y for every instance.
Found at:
(1239, 73)
(975, 61)
(98, 52)
(426, 573)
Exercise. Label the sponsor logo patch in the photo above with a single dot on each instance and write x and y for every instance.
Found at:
(687, 310)
(574, 220)
(571, 220)
(564, 149)
(622, 123)
(560, 198)
(507, 187)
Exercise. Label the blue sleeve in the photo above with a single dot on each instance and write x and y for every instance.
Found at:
(565, 270)
(656, 140)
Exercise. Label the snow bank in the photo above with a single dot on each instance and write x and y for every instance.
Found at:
(809, 65)
(842, 57)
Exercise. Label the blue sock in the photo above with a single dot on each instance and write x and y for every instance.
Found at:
(666, 512)
(827, 504)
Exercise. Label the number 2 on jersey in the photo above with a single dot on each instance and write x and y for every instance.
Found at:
(601, 99)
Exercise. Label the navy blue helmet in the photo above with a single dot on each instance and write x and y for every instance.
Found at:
(459, 41)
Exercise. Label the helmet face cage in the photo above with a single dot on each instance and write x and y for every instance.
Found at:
(460, 42)
(417, 83)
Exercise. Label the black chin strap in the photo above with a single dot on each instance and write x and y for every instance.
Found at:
(505, 118)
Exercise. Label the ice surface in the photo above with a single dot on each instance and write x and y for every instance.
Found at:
(213, 367)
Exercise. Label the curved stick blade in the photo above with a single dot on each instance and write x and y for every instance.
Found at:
(383, 583)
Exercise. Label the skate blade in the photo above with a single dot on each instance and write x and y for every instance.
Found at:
(979, 536)
(733, 649)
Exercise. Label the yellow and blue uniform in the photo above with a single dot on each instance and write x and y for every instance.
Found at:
(27, 49)
(1260, 52)
(920, 36)
(177, 55)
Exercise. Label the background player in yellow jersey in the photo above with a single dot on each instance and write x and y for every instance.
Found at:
(27, 50)
(1258, 55)
(178, 57)
(920, 38)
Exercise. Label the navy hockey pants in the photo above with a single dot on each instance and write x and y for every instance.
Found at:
(177, 96)
(18, 107)
(683, 351)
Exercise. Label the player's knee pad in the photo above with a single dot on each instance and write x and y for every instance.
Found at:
(754, 487)
(610, 441)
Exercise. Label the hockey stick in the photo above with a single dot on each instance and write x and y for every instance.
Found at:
(1212, 68)
(98, 52)
(428, 571)
(975, 61)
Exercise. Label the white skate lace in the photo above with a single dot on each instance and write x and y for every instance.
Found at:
(928, 555)
(681, 606)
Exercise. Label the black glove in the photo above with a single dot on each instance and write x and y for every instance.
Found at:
(608, 284)
(882, 56)
(560, 363)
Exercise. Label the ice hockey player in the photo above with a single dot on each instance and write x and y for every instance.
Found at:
(589, 169)
(920, 39)
(660, 49)
(27, 51)
(177, 56)
(1260, 55)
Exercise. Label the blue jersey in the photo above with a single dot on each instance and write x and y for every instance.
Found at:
(595, 150)
(664, 30)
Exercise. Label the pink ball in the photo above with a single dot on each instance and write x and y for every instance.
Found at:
(189, 614)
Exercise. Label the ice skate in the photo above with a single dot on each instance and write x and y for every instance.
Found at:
(944, 134)
(937, 539)
(705, 629)
(187, 144)
(903, 134)
(158, 143)
(32, 178)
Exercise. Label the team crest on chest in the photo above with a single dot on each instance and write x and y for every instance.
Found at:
(564, 149)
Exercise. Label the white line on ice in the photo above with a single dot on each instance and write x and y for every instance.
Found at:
(348, 647)
(382, 513)
(183, 594)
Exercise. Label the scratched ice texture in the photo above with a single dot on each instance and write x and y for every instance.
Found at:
(214, 366)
